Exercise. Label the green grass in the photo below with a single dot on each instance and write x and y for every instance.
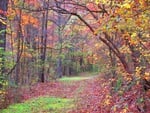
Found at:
(41, 105)
(74, 78)
(81, 76)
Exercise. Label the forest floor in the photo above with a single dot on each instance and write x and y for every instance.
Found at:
(80, 94)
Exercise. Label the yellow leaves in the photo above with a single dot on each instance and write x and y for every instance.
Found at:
(129, 79)
(120, 92)
(2, 21)
(95, 56)
(126, 5)
(138, 70)
(107, 100)
(146, 76)
(10, 13)
(95, 32)
(2, 92)
(100, 1)
(125, 49)
(133, 35)
(97, 45)
(97, 1)
(125, 110)
(114, 108)
(143, 3)
(133, 40)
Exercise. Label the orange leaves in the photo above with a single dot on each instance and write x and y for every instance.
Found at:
(26, 19)
(26, 55)
(107, 100)
(146, 76)
(33, 2)
(125, 110)
(92, 59)
(132, 39)
(138, 22)
(143, 3)
(139, 75)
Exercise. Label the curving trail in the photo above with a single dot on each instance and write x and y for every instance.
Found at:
(91, 94)
(81, 91)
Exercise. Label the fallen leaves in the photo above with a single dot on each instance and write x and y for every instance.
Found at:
(92, 95)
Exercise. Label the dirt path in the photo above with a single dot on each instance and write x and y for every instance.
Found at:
(90, 99)
(61, 88)
(76, 88)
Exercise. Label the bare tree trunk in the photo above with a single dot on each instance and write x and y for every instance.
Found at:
(59, 60)
(19, 47)
(44, 43)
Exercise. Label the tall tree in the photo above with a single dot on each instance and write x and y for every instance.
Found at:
(44, 40)
(3, 18)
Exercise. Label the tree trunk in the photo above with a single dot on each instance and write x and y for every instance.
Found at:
(113, 62)
(19, 47)
(3, 9)
(59, 60)
(44, 43)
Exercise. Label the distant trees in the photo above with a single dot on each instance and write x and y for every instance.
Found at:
(50, 48)
(41, 42)
(123, 27)
(108, 19)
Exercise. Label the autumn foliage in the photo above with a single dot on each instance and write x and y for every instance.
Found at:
(42, 41)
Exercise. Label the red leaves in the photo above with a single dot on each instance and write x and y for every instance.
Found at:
(58, 89)
(97, 98)
(3, 12)
(92, 6)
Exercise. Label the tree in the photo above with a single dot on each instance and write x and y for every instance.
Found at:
(44, 41)
(106, 16)
(3, 18)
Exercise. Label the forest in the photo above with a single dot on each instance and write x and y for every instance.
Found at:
(75, 56)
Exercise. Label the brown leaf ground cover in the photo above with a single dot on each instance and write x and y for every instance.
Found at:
(91, 95)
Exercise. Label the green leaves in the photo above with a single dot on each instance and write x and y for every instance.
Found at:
(2, 31)
(118, 84)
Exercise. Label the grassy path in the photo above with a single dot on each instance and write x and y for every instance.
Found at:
(82, 94)
(61, 96)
